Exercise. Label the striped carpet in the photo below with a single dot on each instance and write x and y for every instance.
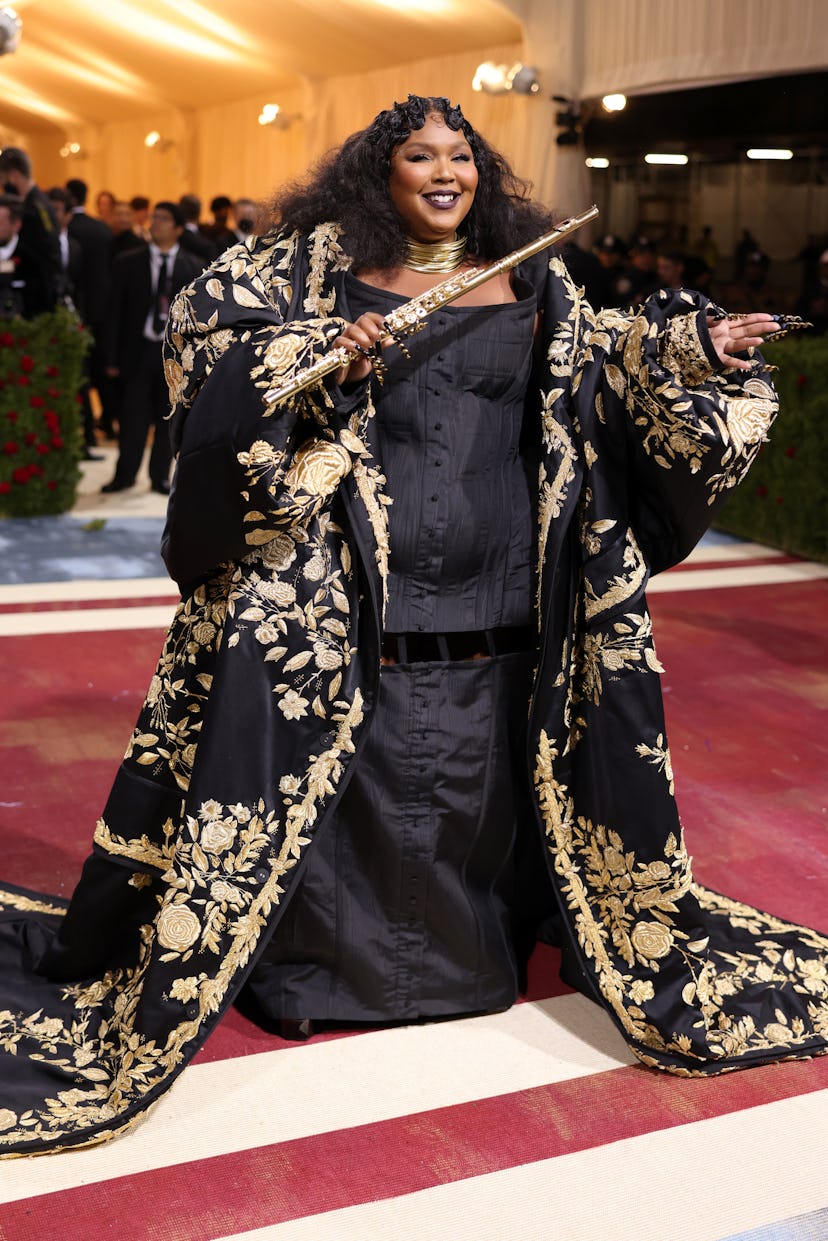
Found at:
(535, 1124)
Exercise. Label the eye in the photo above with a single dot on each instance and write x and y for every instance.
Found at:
(464, 157)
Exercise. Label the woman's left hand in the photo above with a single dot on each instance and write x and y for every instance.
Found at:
(731, 336)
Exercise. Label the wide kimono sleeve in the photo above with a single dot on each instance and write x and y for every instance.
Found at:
(676, 430)
(247, 466)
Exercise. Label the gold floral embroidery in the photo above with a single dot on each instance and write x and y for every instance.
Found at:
(626, 646)
(552, 493)
(326, 256)
(168, 728)
(317, 468)
(659, 756)
(682, 352)
(140, 849)
(28, 904)
(749, 417)
(117, 1064)
(622, 586)
(628, 913)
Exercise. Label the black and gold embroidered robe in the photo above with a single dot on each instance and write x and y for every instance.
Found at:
(255, 716)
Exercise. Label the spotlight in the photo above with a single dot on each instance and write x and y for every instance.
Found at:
(597, 161)
(272, 114)
(614, 103)
(71, 148)
(500, 79)
(769, 153)
(665, 159)
(155, 142)
(10, 29)
(491, 78)
(523, 80)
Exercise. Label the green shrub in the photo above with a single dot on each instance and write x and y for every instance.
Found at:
(783, 502)
(41, 438)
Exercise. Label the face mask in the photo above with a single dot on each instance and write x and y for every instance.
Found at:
(8, 188)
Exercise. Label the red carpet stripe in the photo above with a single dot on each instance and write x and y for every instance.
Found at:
(271, 1184)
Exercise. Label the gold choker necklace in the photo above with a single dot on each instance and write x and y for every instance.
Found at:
(436, 256)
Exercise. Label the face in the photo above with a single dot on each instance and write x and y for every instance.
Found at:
(61, 214)
(121, 218)
(608, 258)
(8, 226)
(433, 181)
(163, 229)
(669, 272)
(244, 214)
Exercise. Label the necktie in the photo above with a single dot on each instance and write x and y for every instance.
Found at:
(162, 298)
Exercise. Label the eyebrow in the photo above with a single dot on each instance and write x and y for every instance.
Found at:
(460, 145)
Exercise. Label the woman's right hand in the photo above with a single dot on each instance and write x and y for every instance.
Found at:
(363, 334)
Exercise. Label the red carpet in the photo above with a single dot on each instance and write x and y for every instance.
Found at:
(531, 1124)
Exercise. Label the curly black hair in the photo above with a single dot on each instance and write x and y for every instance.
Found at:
(350, 185)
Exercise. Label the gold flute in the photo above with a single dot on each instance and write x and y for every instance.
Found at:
(410, 317)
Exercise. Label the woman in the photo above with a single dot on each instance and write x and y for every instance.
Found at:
(392, 597)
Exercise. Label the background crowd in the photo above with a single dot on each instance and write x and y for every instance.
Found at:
(120, 268)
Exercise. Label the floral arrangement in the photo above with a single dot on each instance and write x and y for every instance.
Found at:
(41, 441)
(783, 502)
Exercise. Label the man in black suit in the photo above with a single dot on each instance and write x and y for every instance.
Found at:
(38, 232)
(193, 239)
(220, 232)
(143, 285)
(71, 255)
(95, 241)
(12, 278)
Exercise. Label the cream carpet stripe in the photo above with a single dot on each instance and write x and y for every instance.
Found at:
(90, 588)
(158, 617)
(698, 1182)
(233, 1105)
(710, 553)
(738, 575)
(26, 624)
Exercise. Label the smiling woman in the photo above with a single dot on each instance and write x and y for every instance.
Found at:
(407, 718)
(433, 181)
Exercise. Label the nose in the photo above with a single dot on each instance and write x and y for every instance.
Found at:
(443, 170)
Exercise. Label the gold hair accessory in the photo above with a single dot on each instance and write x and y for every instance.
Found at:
(434, 256)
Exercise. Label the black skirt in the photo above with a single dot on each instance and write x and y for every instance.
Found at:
(406, 906)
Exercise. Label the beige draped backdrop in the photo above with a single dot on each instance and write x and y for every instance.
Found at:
(581, 48)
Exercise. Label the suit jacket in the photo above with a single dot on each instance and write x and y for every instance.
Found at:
(27, 290)
(96, 248)
(131, 299)
(71, 277)
(221, 238)
(199, 246)
(39, 254)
